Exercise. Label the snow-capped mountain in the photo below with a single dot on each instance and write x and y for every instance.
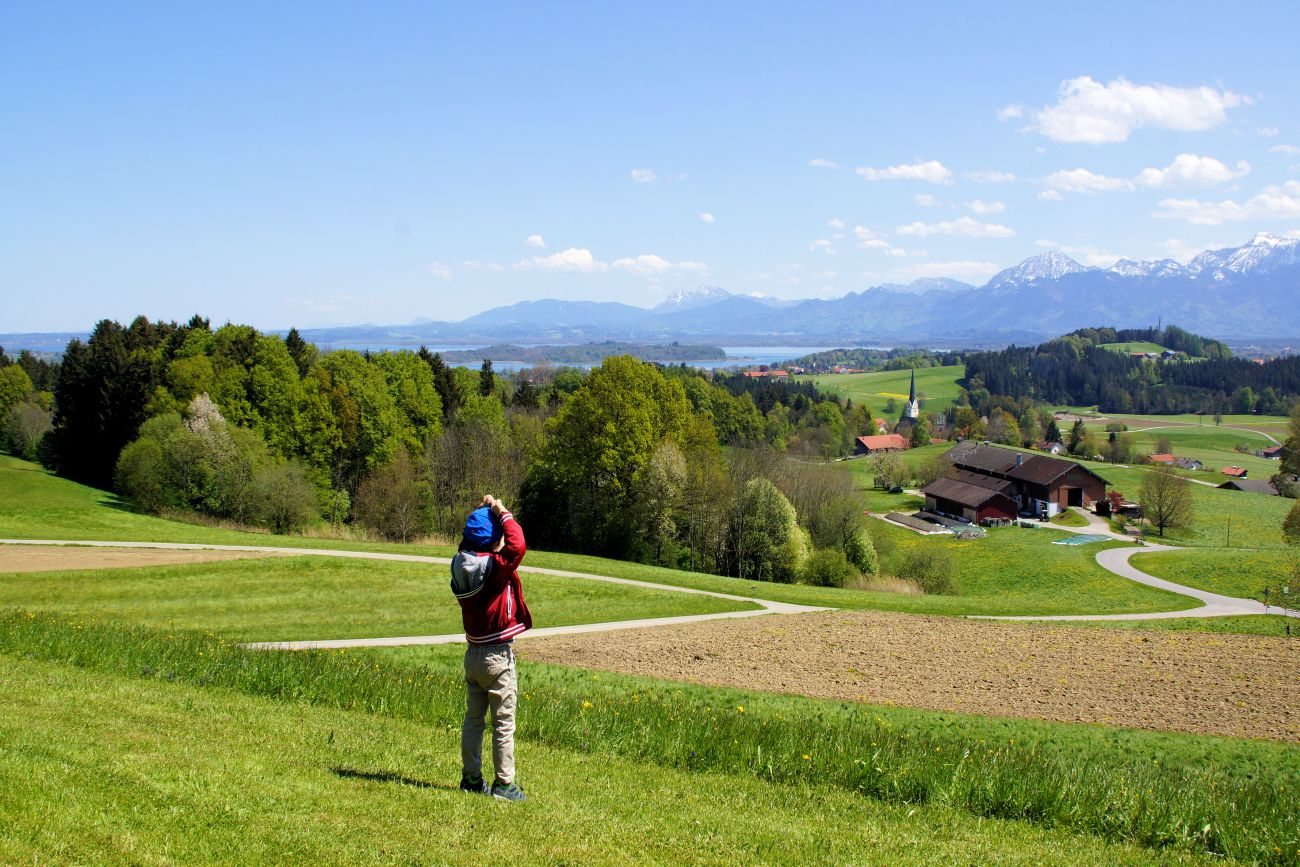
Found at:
(689, 299)
(1147, 268)
(927, 284)
(1052, 265)
(1264, 252)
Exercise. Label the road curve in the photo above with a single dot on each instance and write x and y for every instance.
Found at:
(766, 606)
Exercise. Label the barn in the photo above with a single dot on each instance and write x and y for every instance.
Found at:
(1041, 484)
(881, 443)
(973, 502)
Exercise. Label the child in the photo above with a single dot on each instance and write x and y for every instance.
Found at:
(492, 608)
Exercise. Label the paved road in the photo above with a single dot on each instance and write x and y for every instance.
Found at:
(1116, 560)
(766, 606)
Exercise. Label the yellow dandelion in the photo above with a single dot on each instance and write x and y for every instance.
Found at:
(807, 758)
(740, 708)
(586, 705)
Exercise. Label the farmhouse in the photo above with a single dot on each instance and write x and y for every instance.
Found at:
(869, 445)
(975, 503)
(1234, 472)
(1040, 485)
(1189, 464)
(1254, 486)
(1273, 453)
(1166, 459)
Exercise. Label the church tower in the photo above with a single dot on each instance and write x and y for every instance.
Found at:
(911, 412)
(913, 408)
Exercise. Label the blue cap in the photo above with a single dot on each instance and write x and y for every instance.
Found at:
(481, 531)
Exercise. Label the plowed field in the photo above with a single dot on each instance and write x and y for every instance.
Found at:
(1237, 685)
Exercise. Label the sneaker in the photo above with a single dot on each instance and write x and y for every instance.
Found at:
(507, 792)
(476, 786)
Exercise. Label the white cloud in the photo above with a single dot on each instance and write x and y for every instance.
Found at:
(471, 265)
(967, 270)
(932, 171)
(708, 218)
(835, 223)
(868, 240)
(1010, 112)
(439, 270)
(642, 176)
(1191, 169)
(1084, 181)
(574, 259)
(822, 245)
(962, 226)
(981, 207)
(1183, 251)
(535, 241)
(1051, 196)
(1268, 131)
(1289, 150)
(1095, 113)
(646, 263)
(990, 177)
(820, 163)
(926, 200)
(1272, 203)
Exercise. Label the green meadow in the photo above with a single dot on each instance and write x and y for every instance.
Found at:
(358, 742)
(314, 598)
(937, 384)
(1133, 346)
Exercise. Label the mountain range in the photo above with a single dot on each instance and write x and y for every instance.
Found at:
(1249, 291)
(1246, 292)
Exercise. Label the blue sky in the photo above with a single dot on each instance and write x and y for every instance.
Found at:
(331, 163)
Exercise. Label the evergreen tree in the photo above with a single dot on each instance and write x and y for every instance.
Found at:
(487, 380)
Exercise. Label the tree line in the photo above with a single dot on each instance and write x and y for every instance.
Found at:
(662, 464)
(1075, 371)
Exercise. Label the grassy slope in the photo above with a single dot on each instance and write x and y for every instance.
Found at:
(305, 598)
(938, 384)
(1256, 520)
(1001, 579)
(101, 769)
(1232, 572)
(1133, 346)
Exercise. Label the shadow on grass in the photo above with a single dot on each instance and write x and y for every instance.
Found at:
(389, 777)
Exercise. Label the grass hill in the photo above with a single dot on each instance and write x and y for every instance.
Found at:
(937, 384)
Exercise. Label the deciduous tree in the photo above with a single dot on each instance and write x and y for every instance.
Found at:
(1166, 499)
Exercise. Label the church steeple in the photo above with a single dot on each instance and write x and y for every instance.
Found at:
(913, 408)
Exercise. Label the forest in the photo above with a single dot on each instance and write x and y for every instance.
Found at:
(662, 464)
(1075, 371)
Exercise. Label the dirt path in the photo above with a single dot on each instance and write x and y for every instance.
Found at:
(43, 558)
(1238, 685)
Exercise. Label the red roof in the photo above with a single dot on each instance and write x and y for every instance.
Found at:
(1235, 472)
(883, 441)
(1162, 459)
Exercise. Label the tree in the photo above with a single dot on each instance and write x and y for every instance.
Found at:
(603, 437)
(302, 352)
(525, 396)
(1077, 435)
(1166, 499)
(920, 433)
(890, 469)
(15, 388)
(1051, 433)
(766, 540)
(828, 567)
(449, 390)
(1291, 525)
(487, 380)
(27, 423)
(394, 501)
(935, 467)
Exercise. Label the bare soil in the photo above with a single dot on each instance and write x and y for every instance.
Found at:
(1203, 683)
(57, 558)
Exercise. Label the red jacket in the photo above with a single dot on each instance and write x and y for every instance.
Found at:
(487, 586)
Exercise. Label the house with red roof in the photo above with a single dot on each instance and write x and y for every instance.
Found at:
(869, 445)
(1234, 472)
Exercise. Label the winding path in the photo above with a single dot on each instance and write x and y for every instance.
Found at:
(1114, 560)
(766, 606)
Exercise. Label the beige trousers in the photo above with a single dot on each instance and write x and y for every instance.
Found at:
(489, 683)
